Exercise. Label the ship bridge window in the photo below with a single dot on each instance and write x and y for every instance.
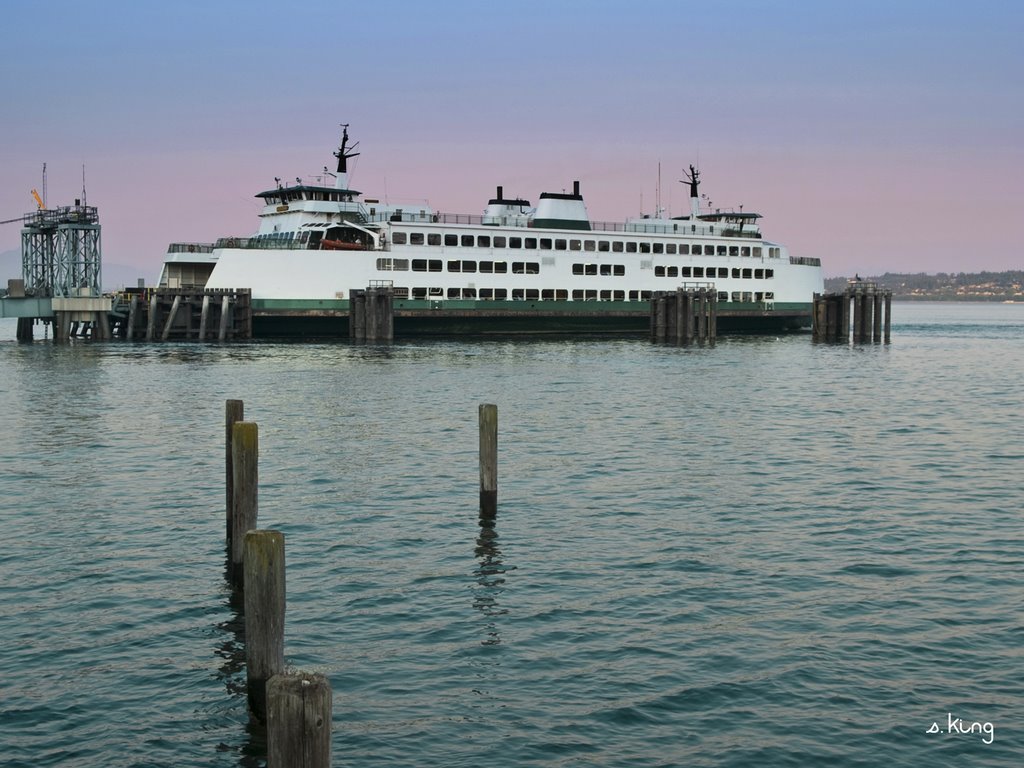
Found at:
(560, 245)
(745, 250)
(399, 238)
(670, 248)
(416, 238)
(769, 274)
(617, 247)
(525, 268)
(735, 272)
(663, 271)
(590, 245)
(630, 247)
(530, 243)
(722, 250)
(467, 241)
(515, 242)
(747, 273)
(499, 241)
(451, 239)
(575, 245)
(483, 241)
(757, 252)
(659, 247)
(697, 249)
(698, 271)
(759, 274)
(494, 267)
(684, 249)
(685, 272)
(545, 243)
(734, 250)
(433, 239)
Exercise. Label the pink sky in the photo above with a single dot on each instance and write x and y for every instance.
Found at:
(877, 138)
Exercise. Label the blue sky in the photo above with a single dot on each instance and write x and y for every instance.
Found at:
(879, 136)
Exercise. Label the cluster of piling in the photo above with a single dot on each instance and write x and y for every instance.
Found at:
(685, 316)
(185, 314)
(295, 706)
(371, 314)
(867, 304)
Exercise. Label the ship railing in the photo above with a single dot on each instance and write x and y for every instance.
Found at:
(68, 214)
(254, 243)
(680, 227)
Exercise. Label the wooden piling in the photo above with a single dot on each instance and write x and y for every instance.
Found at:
(225, 317)
(24, 332)
(876, 334)
(170, 318)
(245, 472)
(488, 460)
(299, 716)
(263, 555)
(888, 315)
(151, 320)
(204, 316)
(687, 298)
(702, 315)
(233, 411)
(133, 312)
(713, 318)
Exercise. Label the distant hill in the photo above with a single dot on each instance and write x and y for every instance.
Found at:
(114, 275)
(960, 286)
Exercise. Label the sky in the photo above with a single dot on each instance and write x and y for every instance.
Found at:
(879, 136)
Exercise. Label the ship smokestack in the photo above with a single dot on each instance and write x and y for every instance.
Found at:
(575, 187)
(500, 190)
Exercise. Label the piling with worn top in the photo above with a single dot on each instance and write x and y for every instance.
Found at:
(264, 614)
(299, 713)
(488, 459)
(233, 411)
(245, 453)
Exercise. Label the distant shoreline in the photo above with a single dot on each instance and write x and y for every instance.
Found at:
(996, 287)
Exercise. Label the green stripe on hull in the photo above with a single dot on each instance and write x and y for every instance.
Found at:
(329, 318)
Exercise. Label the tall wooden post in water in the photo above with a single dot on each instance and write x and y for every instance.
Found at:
(245, 452)
(299, 714)
(264, 614)
(488, 460)
(233, 411)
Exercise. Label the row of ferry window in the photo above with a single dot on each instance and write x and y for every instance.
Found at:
(532, 268)
(558, 294)
(559, 244)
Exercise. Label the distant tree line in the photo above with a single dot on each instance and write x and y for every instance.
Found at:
(946, 286)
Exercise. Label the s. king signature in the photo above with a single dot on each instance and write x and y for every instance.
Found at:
(957, 725)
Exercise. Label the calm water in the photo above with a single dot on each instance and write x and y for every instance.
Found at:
(769, 553)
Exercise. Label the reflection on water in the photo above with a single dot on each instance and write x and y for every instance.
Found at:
(490, 578)
(251, 752)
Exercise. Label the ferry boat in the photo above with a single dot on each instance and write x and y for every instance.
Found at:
(515, 267)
